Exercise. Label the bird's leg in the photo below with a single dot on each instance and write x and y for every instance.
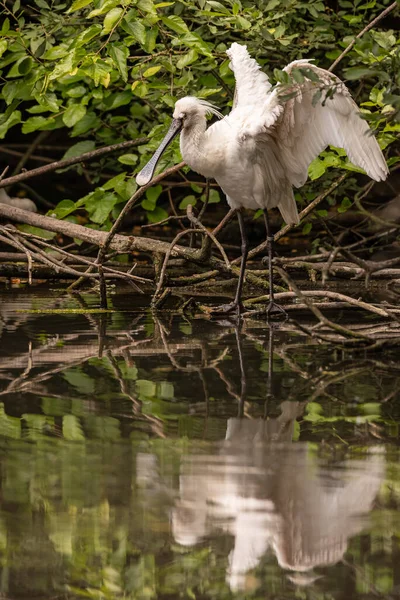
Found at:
(245, 250)
(272, 306)
(236, 306)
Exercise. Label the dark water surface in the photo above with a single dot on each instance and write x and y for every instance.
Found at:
(145, 457)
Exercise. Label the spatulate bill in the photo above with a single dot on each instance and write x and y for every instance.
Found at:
(146, 174)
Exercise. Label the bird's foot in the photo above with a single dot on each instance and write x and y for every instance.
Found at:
(231, 309)
(273, 309)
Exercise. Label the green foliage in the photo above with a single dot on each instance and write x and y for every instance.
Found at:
(108, 70)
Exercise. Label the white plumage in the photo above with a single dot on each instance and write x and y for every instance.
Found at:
(265, 145)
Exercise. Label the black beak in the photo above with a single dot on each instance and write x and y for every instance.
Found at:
(147, 172)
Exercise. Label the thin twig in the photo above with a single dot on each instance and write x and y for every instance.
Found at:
(315, 310)
(60, 164)
(197, 223)
(26, 156)
(168, 254)
(370, 25)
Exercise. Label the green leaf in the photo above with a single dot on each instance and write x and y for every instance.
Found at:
(128, 159)
(186, 201)
(297, 76)
(43, 233)
(3, 46)
(119, 99)
(158, 214)
(310, 74)
(130, 188)
(217, 6)
(344, 205)
(213, 196)
(134, 27)
(104, 7)
(5, 27)
(89, 121)
(115, 181)
(12, 120)
(76, 92)
(99, 71)
(151, 71)
(79, 4)
(360, 72)
(63, 208)
(140, 89)
(272, 4)
(243, 23)
(79, 148)
(194, 40)
(151, 39)
(35, 123)
(153, 193)
(87, 35)
(103, 208)
(316, 169)
(111, 19)
(175, 23)
(73, 114)
(146, 6)
(187, 59)
(56, 52)
(48, 101)
(65, 66)
(307, 228)
(119, 53)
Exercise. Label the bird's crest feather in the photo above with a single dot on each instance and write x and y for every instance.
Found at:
(211, 108)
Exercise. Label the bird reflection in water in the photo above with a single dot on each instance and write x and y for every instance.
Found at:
(270, 494)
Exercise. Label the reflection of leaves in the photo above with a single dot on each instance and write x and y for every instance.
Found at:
(72, 429)
(128, 371)
(146, 388)
(9, 426)
(36, 425)
(82, 382)
(103, 428)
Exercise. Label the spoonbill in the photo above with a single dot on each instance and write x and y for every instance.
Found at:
(264, 146)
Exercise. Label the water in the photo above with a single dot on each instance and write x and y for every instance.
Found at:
(145, 457)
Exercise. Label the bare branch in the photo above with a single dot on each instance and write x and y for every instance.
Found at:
(60, 164)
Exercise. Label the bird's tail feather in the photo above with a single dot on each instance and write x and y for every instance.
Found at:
(288, 209)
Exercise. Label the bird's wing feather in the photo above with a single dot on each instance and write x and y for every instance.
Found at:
(303, 130)
(252, 84)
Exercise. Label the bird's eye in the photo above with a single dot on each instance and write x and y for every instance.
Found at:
(182, 115)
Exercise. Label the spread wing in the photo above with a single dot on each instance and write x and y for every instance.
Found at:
(301, 129)
(304, 129)
(252, 84)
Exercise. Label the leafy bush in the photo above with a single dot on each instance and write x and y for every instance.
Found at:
(109, 70)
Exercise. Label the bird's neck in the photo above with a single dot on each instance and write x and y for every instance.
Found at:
(193, 144)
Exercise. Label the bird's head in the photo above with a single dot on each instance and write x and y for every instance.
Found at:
(188, 111)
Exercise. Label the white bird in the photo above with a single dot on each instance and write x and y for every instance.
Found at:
(24, 203)
(264, 146)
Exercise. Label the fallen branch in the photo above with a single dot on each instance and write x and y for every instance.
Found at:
(324, 294)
